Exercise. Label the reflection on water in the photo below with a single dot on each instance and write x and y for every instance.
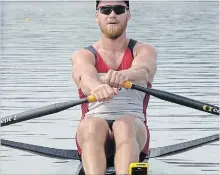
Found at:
(36, 71)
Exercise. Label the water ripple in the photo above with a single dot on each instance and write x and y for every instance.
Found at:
(36, 71)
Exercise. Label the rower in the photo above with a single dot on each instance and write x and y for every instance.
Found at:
(114, 129)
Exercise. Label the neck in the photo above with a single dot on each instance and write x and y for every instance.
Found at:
(111, 45)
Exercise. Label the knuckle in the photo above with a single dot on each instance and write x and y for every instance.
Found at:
(112, 92)
(111, 82)
(106, 85)
(107, 79)
(102, 79)
(110, 71)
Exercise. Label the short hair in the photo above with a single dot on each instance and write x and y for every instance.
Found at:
(97, 3)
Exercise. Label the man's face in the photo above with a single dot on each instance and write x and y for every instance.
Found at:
(112, 24)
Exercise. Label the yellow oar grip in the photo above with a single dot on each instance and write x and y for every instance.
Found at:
(91, 98)
(127, 84)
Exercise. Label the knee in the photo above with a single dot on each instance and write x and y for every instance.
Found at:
(123, 129)
(93, 128)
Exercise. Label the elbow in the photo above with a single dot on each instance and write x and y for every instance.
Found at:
(82, 83)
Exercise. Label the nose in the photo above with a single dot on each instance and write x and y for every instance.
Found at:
(112, 14)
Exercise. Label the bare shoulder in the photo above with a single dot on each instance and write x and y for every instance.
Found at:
(145, 56)
(83, 56)
(145, 49)
(83, 63)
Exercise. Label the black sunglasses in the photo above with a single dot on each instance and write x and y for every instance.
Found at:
(118, 9)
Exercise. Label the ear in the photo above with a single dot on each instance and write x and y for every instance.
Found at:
(129, 15)
(96, 17)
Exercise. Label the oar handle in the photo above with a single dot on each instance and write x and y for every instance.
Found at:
(127, 85)
(91, 98)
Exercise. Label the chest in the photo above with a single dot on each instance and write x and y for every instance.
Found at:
(112, 61)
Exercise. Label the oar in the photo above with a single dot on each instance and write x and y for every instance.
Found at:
(174, 98)
(73, 154)
(57, 107)
(43, 111)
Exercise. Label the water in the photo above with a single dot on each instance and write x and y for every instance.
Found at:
(36, 71)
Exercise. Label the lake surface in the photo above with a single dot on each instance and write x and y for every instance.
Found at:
(37, 41)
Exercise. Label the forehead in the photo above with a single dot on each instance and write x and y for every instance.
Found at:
(105, 2)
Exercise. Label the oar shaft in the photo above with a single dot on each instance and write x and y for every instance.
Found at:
(43, 111)
(178, 99)
(39, 112)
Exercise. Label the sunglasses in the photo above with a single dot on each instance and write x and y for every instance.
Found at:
(118, 9)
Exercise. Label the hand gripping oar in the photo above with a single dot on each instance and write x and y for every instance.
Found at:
(174, 98)
(43, 111)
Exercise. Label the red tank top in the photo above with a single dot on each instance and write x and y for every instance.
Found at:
(103, 68)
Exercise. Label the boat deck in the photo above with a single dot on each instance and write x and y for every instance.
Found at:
(156, 167)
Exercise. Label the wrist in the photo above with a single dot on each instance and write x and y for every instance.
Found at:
(126, 73)
(93, 85)
(138, 76)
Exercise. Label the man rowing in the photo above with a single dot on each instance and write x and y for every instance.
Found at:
(115, 125)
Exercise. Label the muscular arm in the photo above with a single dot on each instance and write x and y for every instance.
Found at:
(84, 72)
(144, 65)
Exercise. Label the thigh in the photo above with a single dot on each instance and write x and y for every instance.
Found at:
(92, 128)
(130, 127)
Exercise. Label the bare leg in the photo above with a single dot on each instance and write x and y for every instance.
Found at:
(91, 136)
(130, 137)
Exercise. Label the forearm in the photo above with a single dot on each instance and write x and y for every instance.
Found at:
(137, 75)
(88, 82)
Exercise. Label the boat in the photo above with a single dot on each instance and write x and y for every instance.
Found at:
(72, 155)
